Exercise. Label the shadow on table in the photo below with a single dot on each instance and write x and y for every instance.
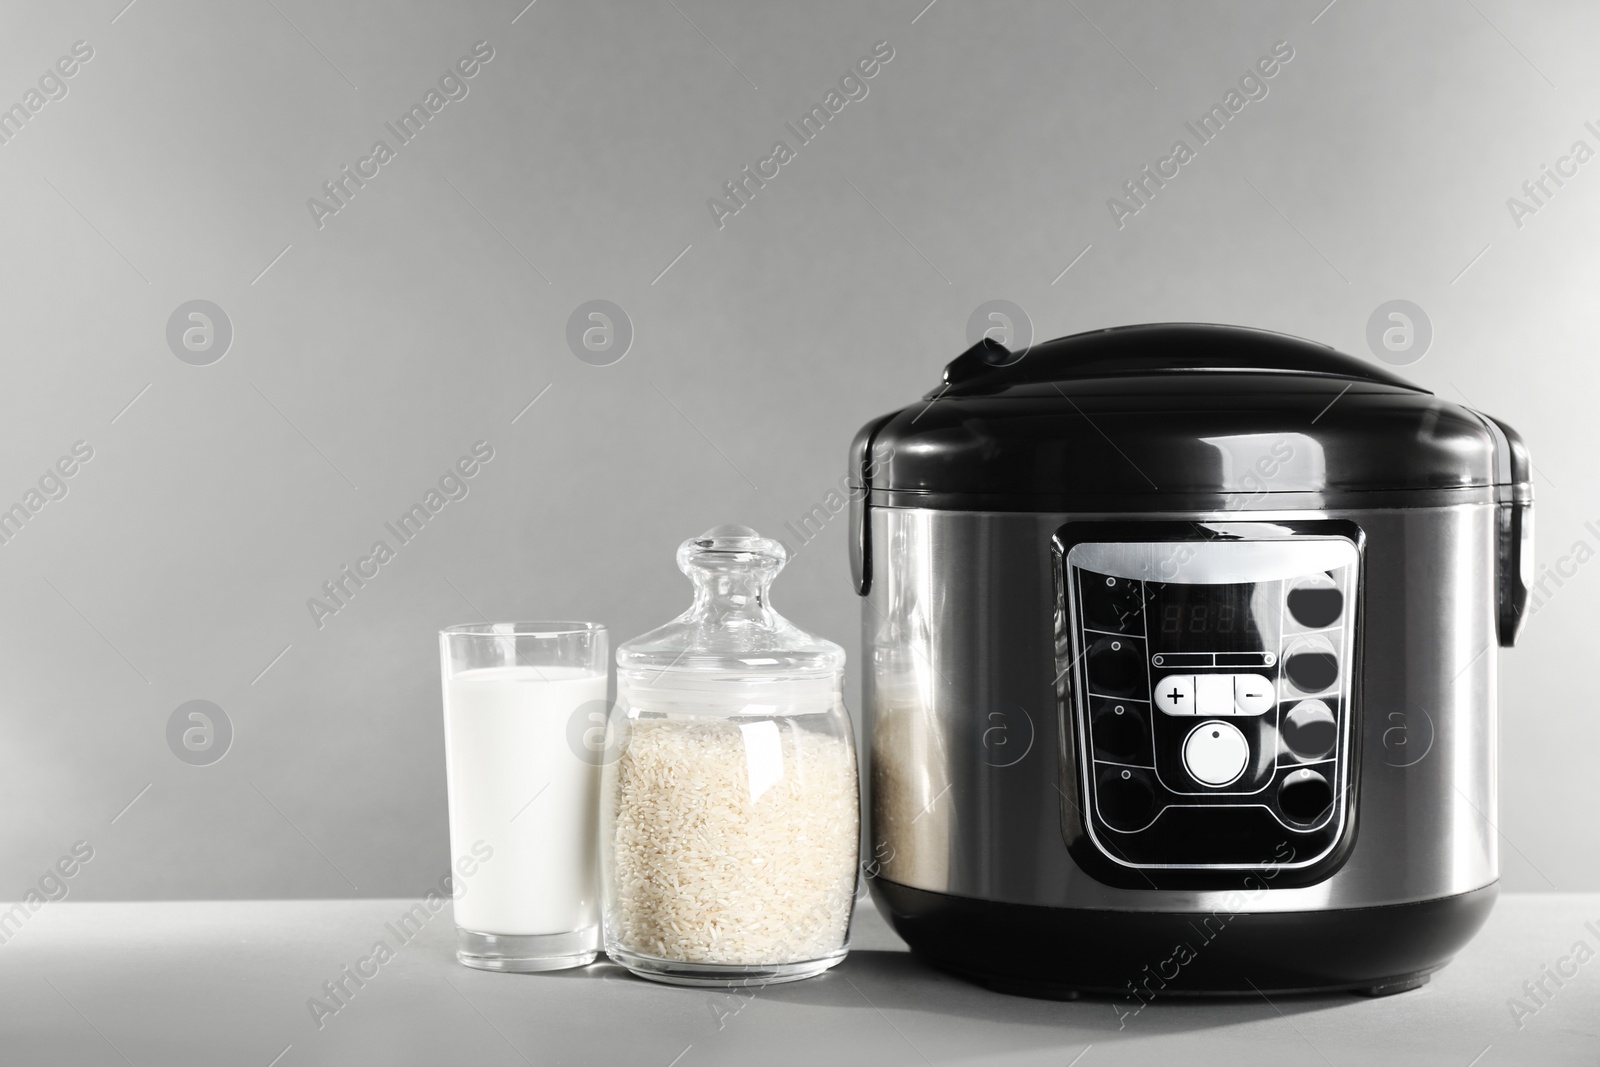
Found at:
(897, 981)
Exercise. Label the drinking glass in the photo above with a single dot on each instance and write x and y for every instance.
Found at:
(523, 794)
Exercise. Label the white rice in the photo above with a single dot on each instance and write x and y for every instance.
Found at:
(703, 873)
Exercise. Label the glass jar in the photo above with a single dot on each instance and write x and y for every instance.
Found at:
(729, 817)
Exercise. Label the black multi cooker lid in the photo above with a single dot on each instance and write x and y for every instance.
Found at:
(1180, 416)
(1149, 354)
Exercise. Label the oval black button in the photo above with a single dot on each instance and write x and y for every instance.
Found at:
(1304, 796)
(1310, 730)
(1116, 667)
(1121, 733)
(1312, 672)
(1125, 799)
(1316, 606)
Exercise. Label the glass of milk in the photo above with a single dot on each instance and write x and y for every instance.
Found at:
(523, 705)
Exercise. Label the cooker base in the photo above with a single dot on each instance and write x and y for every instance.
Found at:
(1061, 953)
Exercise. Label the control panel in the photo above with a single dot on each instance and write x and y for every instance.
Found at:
(1208, 688)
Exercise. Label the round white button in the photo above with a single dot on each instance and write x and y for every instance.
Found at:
(1216, 753)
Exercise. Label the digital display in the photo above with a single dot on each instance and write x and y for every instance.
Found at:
(1204, 618)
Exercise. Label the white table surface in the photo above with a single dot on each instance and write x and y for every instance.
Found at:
(219, 983)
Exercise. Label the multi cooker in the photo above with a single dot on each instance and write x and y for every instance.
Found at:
(1181, 670)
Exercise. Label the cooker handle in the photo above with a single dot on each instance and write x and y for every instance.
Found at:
(982, 358)
(863, 464)
(1513, 533)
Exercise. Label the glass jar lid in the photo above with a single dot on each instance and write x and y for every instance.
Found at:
(730, 632)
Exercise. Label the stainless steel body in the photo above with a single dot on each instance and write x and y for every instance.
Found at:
(974, 789)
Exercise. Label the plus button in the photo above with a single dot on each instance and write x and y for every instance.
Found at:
(1175, 694)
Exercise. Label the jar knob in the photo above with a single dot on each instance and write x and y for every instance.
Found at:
(731, 567)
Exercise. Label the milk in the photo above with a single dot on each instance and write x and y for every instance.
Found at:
(506, 744)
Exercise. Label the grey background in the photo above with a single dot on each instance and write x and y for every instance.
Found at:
(429, 312)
